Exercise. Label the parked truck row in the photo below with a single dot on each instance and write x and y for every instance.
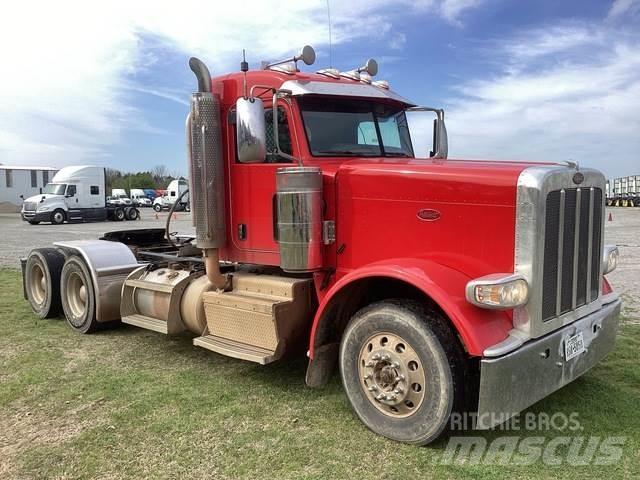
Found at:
(77, 193)
(624, 191)
(432, 285)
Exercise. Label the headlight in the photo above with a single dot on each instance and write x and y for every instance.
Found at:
(43, 209)
(498, 290)
(609, 258)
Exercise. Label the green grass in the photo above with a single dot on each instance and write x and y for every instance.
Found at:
(127, 403)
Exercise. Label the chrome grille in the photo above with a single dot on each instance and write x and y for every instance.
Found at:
(29, 206)
(572, 245)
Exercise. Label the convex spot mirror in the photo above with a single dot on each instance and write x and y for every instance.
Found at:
(251, 131)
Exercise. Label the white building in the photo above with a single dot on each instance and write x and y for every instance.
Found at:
(17, 183)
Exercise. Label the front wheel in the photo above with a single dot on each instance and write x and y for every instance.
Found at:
(157, 207)
(402, 370)
(57, 217)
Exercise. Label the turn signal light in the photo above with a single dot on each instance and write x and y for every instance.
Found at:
(498, 290)
(609, 259)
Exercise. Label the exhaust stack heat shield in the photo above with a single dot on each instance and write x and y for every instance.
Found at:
(206, 170)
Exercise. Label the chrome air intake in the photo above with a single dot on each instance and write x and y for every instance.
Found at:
(206, 176)
(299, 209)
(559, 244)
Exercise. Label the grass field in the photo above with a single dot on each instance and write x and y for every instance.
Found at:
(128, 403)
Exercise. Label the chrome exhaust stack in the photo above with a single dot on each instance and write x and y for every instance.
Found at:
(206, 173)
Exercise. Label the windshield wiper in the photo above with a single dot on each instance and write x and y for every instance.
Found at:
(397, 154)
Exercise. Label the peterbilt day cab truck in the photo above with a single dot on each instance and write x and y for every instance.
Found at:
(433, 285)
(75, 194)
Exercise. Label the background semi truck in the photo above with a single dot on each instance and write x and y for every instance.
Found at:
(432, 285)
(75, 194)
(177, 191)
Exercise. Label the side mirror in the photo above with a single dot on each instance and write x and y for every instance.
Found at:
(251, 130)
(441, 143)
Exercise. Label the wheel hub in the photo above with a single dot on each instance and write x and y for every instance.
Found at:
(391, 375)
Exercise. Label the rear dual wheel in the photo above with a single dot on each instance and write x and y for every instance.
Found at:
(42, 281)
(78, 296)
(402, 368)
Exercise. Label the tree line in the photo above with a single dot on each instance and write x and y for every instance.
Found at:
(157, 178)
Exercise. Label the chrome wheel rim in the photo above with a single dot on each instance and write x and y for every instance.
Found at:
(76, 295)
(391, 375)
(38, 284)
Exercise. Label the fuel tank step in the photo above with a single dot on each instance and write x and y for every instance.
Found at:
(149, 323)
(230, 348)
(260, 319)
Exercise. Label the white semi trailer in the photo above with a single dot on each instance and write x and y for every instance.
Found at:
(75, 194)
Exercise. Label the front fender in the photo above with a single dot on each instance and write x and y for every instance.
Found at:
(478, 328)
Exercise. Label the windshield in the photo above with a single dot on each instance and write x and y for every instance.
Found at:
(55, 188)
(340, 127)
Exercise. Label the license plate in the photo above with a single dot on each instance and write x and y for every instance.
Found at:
(573, 346)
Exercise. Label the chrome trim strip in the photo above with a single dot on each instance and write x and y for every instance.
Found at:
(590, 245)
(560, 253)
(576, 249)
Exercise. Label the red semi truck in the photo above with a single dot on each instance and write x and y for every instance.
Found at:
(434, 285)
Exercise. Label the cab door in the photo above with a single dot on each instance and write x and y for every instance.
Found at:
(252, 192)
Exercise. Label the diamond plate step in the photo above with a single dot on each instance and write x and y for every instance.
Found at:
(149, 323)
(234, 349)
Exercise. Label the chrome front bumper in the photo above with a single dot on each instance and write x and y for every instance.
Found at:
(517, 380)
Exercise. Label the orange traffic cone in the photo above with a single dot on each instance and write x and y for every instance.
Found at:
(610, 217)
(156, 215)
(175, 216)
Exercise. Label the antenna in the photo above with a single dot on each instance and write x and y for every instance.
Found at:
(244, 67)
(330, 49)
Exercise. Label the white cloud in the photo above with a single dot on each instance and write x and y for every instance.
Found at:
(451, 9)
(624, 7)
(67, 66)
(559, 105)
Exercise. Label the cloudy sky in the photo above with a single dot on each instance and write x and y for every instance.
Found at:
(107, 82)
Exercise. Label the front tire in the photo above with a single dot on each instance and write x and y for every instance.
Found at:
(402, 369)
(42, 281)
(78, 296)
(58, 217)
(157, 207)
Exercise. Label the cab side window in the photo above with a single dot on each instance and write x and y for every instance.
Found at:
(71, 191)
(284, 136)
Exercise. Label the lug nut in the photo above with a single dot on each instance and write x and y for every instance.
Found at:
(398, 390)
(369, 364)
(399, 378)
(395, 365)
(376, 357)
(373, 388)
(391, 397)
(382, 396)
(367, 376)
(385, 358)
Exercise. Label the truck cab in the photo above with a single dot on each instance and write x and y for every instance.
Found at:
(74, 193)
(433, 285)
(177, 189)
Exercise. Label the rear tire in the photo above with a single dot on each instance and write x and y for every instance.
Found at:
(42, 281)
(78, 296)
(133, 214)
(402, 369)
(58, 217)
(119, 214)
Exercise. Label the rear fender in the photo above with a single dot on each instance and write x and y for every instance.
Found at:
(109, 263)
(477, 328)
